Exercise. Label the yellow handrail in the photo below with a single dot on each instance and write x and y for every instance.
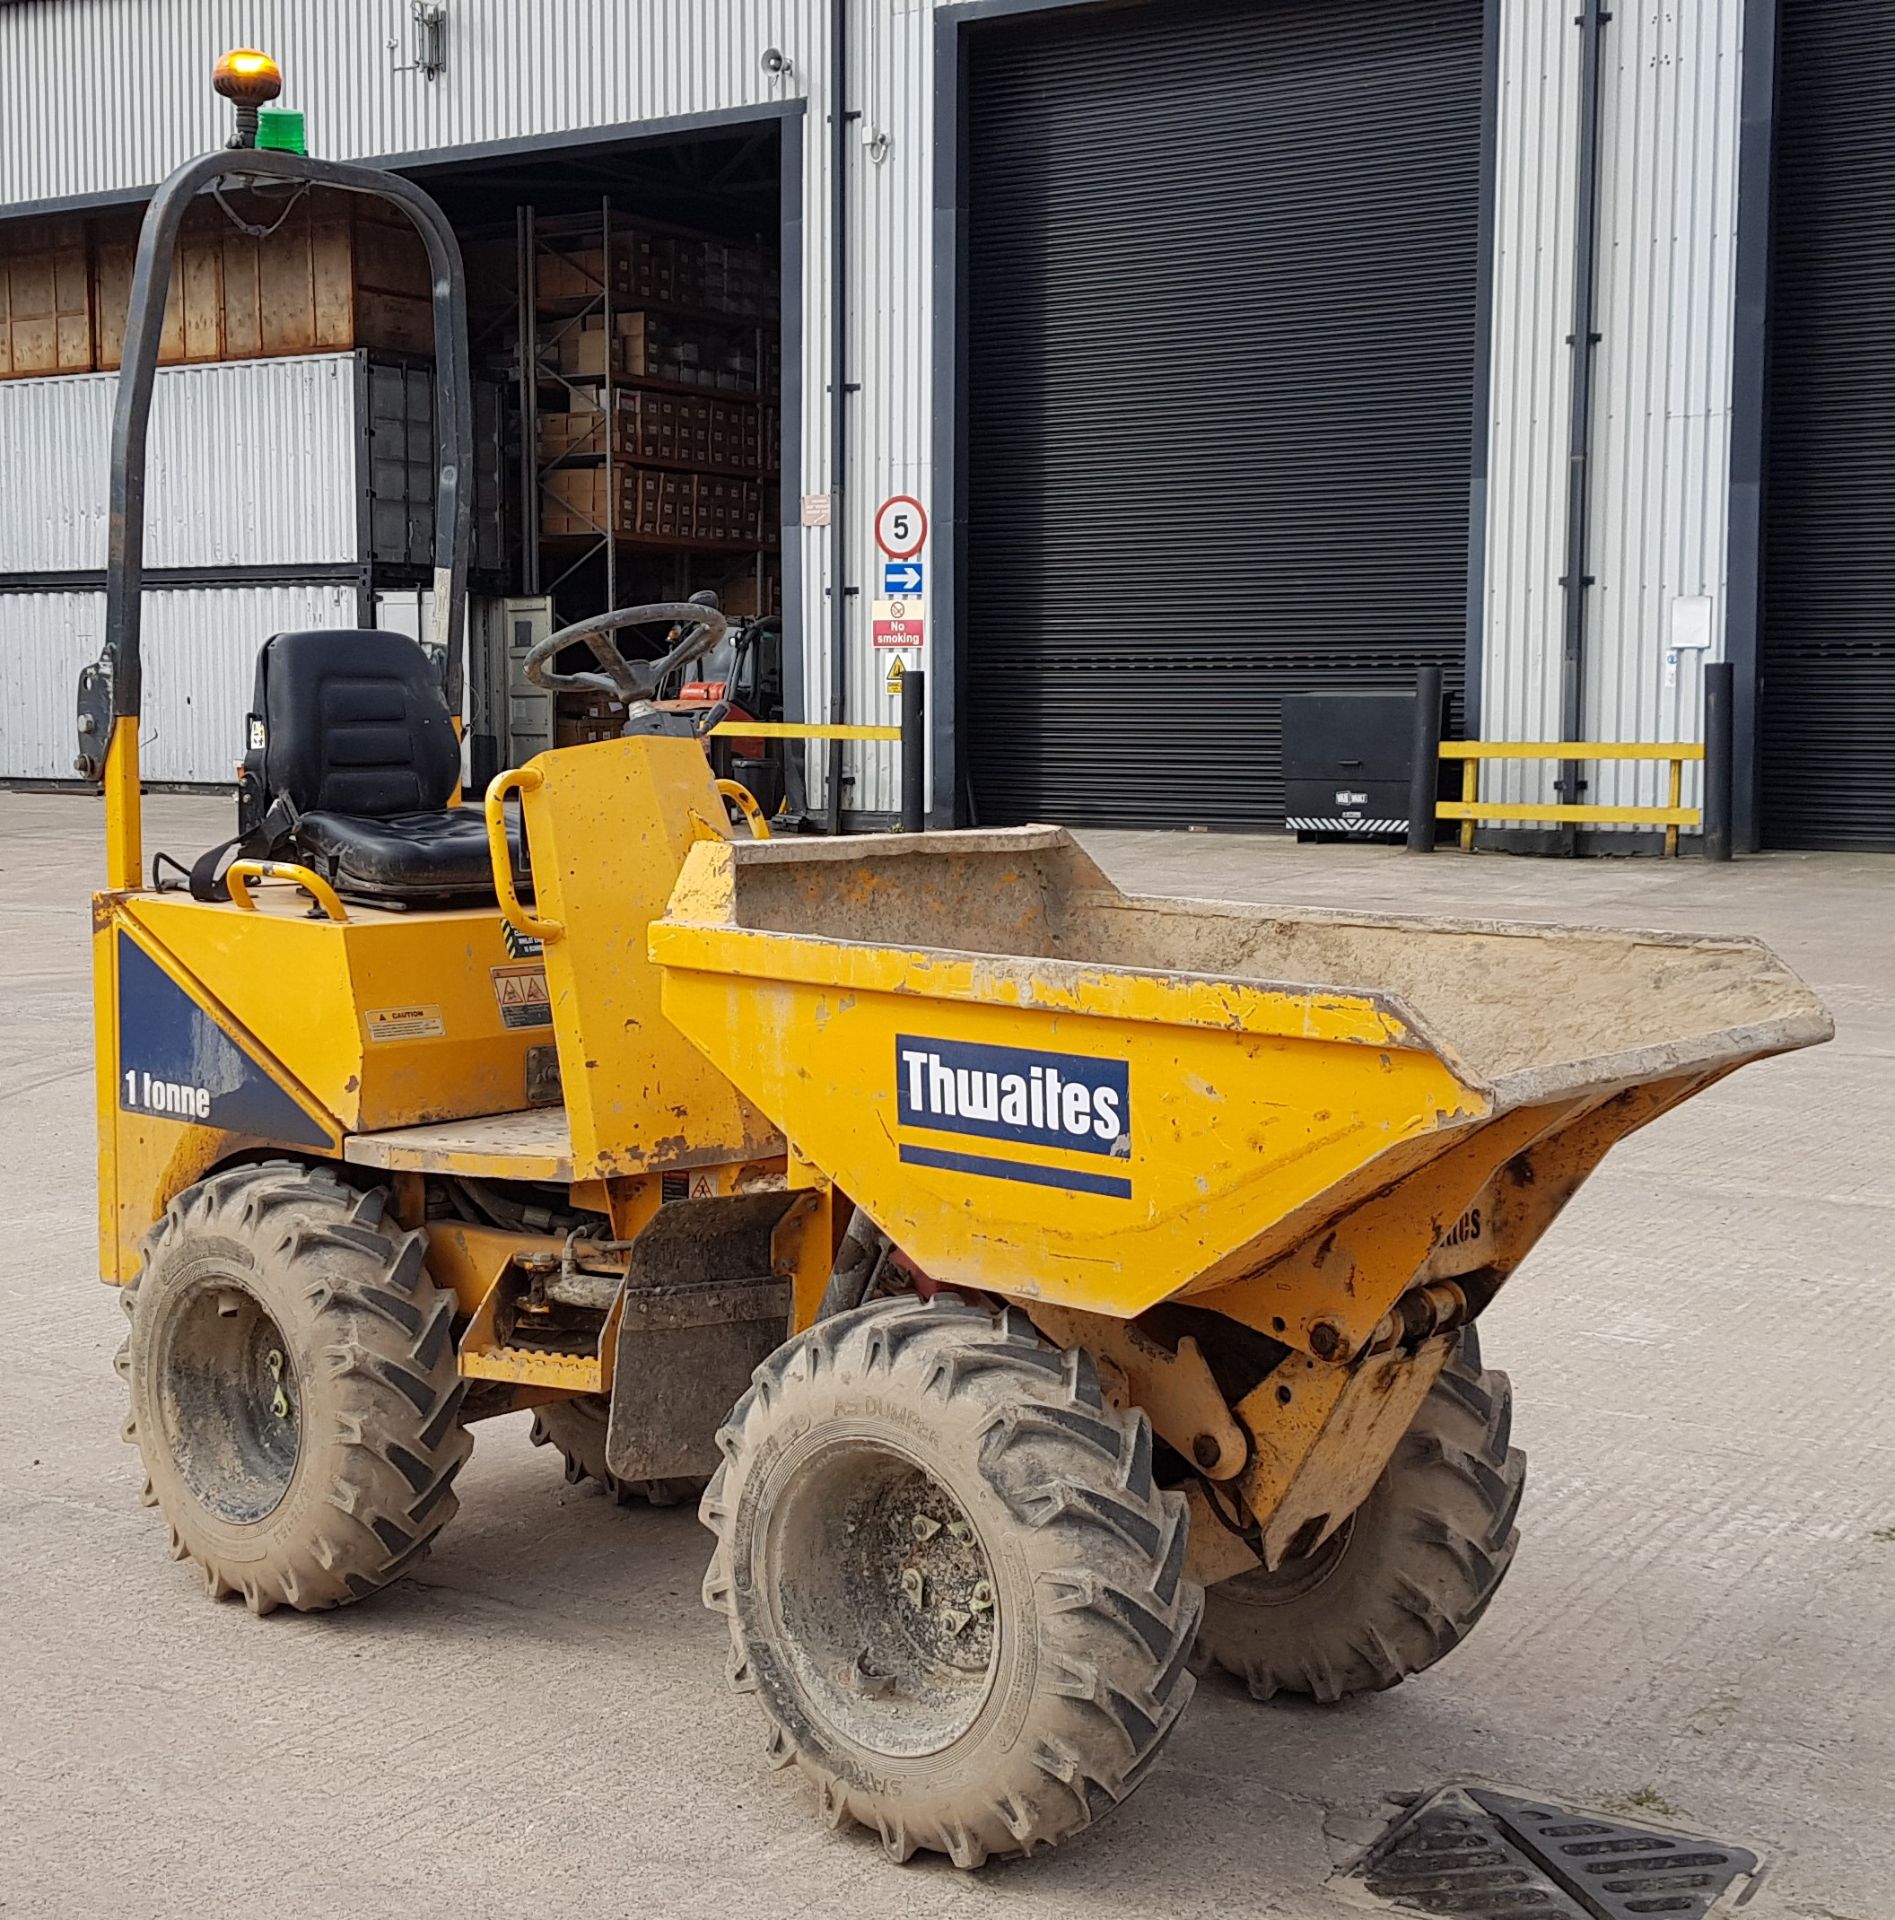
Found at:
(1471, 808)
(527, 779)
(745, 802)
(240, 873)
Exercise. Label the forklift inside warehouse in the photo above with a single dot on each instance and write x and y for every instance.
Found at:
(625, 324)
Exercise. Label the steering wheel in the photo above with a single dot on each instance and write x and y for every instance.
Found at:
(632, 681)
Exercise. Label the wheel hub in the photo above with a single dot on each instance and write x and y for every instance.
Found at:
(229, 1396)
(1261, 1587)
(886, 1595)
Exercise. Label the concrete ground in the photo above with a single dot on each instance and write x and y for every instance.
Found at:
(1698, 1624)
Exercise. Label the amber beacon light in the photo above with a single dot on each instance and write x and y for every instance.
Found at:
(249, 80)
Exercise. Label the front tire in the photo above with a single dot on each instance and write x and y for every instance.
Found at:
(950, 1578)
(1405, 1579)
(294, 1388)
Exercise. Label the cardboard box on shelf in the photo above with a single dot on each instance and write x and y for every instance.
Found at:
(656, 503)
(333, 275)
(572, 501)
(711, 434)
(579, 719)
(45, 301)
(570, 273)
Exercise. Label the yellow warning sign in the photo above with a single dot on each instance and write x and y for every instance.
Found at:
(404, 1023)
(521, 992)
(897, 672)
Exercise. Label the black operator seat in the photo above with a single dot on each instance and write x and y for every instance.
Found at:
(357, 738)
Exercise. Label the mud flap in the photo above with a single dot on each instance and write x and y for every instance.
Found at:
(685, 1355)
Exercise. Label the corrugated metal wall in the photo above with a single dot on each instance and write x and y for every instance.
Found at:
(252, 464)
(45, 639)
(512, 70)
(1661, 434)
(557, 67)
(892, 200)
(1662, 398)
(200, 658)
(1669, 131)
(1537, 147)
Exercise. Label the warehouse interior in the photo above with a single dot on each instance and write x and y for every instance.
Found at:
(631, 298)
(625, 306)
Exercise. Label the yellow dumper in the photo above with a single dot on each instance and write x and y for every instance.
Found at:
(1245, 1179)
(1048, 1291)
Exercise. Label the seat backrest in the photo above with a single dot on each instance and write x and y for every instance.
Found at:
(354, 722)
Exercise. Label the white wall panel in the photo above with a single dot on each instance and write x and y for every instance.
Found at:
(1662, 394)
(250, 464)
(200, 648)
(1668, 202)
(200, 653)
(512, 70)
(1531, 387)
(45, 639)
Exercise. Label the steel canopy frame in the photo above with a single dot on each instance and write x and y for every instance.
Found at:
(111, 689)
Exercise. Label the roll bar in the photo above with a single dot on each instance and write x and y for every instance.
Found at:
(110, 689)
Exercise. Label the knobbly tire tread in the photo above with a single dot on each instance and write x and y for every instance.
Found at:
(575, 1429)
(1115, 1617)
(350, 1295)
(1426, 1554)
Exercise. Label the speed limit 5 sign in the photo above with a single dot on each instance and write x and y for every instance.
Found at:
(901, 527)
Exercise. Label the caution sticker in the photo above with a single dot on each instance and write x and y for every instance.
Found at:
(404, 1023)
(524, 1000)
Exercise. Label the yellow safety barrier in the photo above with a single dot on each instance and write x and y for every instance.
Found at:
(799, 730)
(909, 736)
(1471, 807)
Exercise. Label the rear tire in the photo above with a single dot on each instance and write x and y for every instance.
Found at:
(294, 1387)
(950, 1578)
(576, 1428)
(1405, 1579)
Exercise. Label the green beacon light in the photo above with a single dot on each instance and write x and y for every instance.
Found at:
(281, 129)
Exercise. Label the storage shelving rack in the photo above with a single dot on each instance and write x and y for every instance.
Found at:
(544, 319)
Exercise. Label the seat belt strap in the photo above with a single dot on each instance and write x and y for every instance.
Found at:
(207, 880)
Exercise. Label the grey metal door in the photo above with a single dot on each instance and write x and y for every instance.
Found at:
(1222, 289)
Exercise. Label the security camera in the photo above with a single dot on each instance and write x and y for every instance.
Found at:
(775, 62)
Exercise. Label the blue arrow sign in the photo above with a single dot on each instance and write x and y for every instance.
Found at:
(902, 576)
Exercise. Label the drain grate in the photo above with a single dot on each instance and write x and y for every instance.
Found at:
(1478, 1853)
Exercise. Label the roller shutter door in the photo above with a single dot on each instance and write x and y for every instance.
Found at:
(1221, 305)
(1828, 697)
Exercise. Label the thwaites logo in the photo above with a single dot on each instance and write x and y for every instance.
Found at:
(1021, 1098)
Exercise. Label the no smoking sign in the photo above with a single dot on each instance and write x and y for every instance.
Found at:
(900, 623)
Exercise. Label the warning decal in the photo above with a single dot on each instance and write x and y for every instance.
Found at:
(521, 992)
(404, 1023)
